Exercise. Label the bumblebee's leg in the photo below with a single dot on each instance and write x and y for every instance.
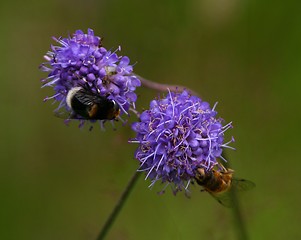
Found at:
(72, 115)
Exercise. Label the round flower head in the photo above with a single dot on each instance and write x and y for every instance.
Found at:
(82, 61)
(177, 135)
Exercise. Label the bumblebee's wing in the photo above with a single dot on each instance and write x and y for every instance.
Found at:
(87, 98)
(92, 106)
(237, 185)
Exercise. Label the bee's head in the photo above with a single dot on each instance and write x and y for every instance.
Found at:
(201, 172)
(114, 110)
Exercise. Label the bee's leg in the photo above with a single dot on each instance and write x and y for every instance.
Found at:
(84, 79)
(225, 170)
(72, 115)
(223, 167)
(95, 86)
(88, 85)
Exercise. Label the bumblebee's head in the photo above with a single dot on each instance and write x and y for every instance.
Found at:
(114, 110)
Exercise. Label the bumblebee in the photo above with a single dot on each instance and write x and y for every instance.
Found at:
(219, 183)
(86, 105)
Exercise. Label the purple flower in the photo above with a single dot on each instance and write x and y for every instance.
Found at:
(177, 135)
(81, 60)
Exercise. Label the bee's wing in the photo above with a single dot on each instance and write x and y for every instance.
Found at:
(88, 98)
(237, 185)
(223, 198)
(242, 184)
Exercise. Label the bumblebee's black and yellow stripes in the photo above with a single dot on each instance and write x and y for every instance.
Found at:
(91, 106)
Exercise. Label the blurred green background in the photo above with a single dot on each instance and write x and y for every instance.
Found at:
(60, 182)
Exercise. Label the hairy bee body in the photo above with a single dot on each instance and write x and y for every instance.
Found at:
(214, 181)
(90, 106)
(218, 184)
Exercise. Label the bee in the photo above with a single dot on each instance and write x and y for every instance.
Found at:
(86, 105)
(219, 183)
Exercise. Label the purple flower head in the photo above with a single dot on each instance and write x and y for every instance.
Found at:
(177, 135)
(81, 60)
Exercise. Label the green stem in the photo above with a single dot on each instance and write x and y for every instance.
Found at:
(238, 218)
(237, 212)
(118, 206)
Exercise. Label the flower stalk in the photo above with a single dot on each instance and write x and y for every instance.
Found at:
(164, 87)
(241, 230)
(112, 217)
